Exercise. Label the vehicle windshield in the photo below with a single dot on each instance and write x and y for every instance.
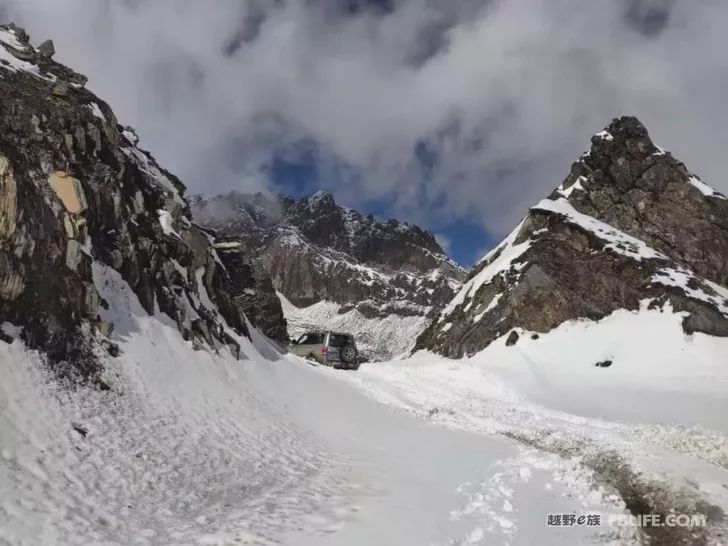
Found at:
(310, 339)
(339, 340)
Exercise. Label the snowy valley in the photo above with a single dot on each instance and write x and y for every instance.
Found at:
(335, 269)
(189, 447)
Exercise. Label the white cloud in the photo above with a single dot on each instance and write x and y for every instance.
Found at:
(444, 241)
(509, 98)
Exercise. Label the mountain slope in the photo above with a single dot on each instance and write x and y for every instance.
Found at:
(76, 192)
(630, 224)
(337, 269)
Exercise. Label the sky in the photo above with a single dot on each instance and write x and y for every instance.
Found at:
(456, 115)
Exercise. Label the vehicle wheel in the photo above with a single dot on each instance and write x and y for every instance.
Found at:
(312, 359)
(348, 355)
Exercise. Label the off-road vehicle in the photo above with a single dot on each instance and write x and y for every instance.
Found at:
(330, 348)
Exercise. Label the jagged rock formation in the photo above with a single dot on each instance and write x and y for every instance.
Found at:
(630, 223)
(317, 251)
(76, 195)
(253, 291)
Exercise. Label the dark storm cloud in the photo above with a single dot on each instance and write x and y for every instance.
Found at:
(502, 95)
(649, 17)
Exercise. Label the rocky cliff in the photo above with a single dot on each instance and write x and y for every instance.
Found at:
(319, 253)
(630, 225)
(77, 197)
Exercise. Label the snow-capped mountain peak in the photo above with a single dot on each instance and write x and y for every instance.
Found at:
(319, 253)
(629, 224)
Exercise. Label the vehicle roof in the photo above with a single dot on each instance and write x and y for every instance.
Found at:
(326, 332)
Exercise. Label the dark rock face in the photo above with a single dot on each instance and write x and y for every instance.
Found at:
(316, 250)
(645, 192)
(253, 292)
(629, 225)
(392, 244)
(76, 194)
(47, 49)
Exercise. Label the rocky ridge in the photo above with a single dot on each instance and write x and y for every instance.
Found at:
(78, 196)
(315, 251)
(629, 225)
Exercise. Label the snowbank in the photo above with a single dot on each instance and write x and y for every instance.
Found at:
(631, 397)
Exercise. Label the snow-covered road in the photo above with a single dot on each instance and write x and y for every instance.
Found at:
(652, 426)
(426, 484)
(217, 452)
(194, 448)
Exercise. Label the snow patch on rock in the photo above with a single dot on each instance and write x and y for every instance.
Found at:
(167, 222)
(705, 188)
(616, 240)
(500, 260)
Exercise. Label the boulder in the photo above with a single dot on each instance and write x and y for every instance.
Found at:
(47, 49)
(69, 191)
(8, 200)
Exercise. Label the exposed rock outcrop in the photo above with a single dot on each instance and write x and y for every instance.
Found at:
(253, 291)
(47, 49)
(77, 194)
(630, 223)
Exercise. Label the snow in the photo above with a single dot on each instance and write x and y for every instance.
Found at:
(292, 237)
(492, 305)
(660, 407)
(201, 290)
(194, 447)
(9, 329)
(180, 269)
(130, 135)
(604, 135)
(12, 63)
(148, 166)
(379, 338)
(652, 360)
(333, 263)
(166, 221)
(704, 188)
(320, 194)
(616, 240)
(96, 110)
(718, 296)
(8, 37)
(227, 245)
(507, 253)
(566, 192)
